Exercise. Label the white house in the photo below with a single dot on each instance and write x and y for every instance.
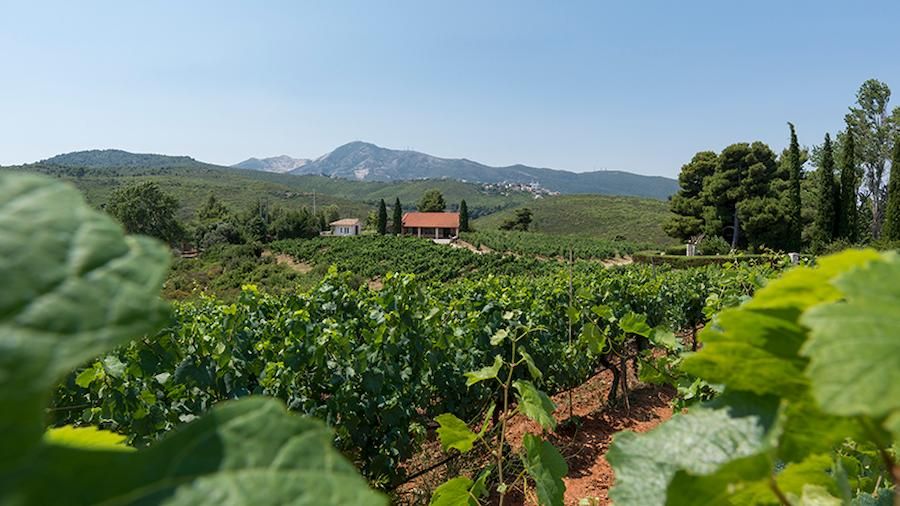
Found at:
(346, 226)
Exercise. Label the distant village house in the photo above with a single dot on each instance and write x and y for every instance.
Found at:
(431, 225)
(345, 227)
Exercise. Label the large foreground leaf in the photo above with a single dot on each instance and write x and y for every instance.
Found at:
(698, 443)
(854, 345)
(74, 287)
(755, 347)
(244, 452)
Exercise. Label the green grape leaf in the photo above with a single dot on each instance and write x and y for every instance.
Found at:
(755, 347)
(806, 430)
(594, 337)
(740, 481)
(485, 373)
(815, 470)
(573, 314)
(86, 437)
(87, 376)
(532, 368)
(633, 323)
(698, 442)
(499, 337)
(603, 311)
(547, 468)
(535, 404)
(664, 339)
(250, 451)
(74, 287)
(454, 433)
(854, 345)
(479, 488)
(747, 481)
(454, 492)
(814, 495)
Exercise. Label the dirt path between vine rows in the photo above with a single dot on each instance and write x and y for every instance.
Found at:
(289, 261)
(583, 444)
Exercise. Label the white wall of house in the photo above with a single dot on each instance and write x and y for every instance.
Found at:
(346, 230)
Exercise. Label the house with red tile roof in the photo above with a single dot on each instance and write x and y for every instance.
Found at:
(431, 225)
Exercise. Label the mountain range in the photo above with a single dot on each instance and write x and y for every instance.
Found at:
(367, 162)
(363, 161)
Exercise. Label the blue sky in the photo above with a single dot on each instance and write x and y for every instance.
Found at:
(588, 85)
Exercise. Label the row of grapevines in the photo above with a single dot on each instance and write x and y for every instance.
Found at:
(375, 256)
(379, 365)
(531, 243)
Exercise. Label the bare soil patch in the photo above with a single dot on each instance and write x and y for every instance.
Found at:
(583, 438)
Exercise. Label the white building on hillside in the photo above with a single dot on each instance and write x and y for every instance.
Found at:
(346, 226)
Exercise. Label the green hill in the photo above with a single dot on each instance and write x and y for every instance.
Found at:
(116, 158)
(191, 182)
(191, 185)
(638, 220)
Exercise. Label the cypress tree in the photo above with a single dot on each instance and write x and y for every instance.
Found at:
(826, 210)
(397, 225)
(463, 217)
(891, 229)
(847, 210)
(793, 166)
(382, 218)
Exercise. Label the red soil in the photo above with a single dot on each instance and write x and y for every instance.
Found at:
(583, 442)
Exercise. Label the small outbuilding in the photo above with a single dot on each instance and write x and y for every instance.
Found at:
(431, 225)
(345, 227)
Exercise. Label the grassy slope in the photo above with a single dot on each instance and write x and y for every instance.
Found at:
(638, 220)
(192, 185)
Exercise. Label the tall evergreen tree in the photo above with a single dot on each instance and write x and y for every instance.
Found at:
(397, 225)
(687, 204)
(463, 217)
(826, 210)
(794, 206)
(847, 209)
(382, 218)
(891, 230)
(741, 200)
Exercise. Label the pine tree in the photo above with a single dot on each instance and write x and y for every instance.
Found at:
(891, 230)
(826, 210)
(397, 225)
(382, 218)
(794, 209)
(463, 217)
(847, 209)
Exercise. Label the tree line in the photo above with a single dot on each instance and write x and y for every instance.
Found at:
(144, 208)
(753, 199)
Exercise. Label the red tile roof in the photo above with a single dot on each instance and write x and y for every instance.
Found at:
(431, 220)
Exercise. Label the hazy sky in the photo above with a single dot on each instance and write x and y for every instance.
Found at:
(571, 85)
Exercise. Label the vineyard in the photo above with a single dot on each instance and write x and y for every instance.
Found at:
(550, 246)
(774, 411)
(377, 365)
(375, 256)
